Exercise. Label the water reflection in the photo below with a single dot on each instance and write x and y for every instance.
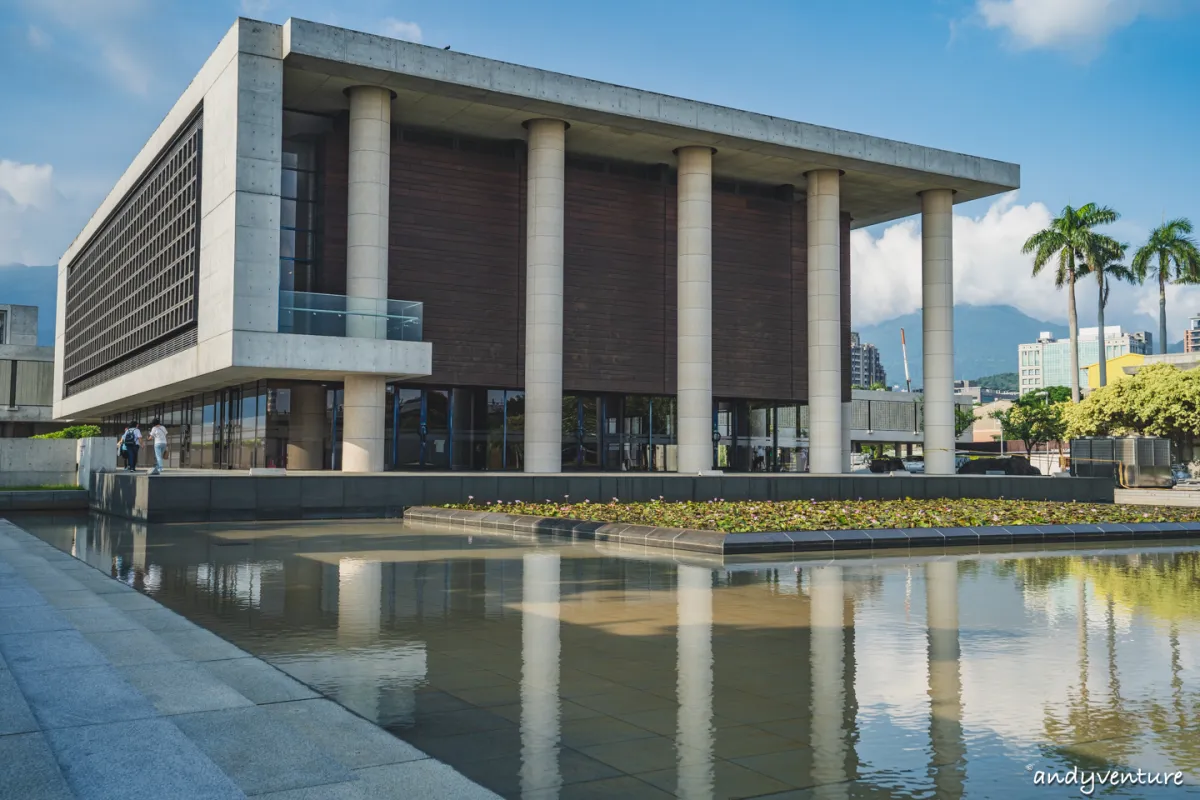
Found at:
(563, 671)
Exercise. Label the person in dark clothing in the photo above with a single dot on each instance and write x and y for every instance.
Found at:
(129, 444)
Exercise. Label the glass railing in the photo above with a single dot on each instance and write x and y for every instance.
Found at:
(314, 314)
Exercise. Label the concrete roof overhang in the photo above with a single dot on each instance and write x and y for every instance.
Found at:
(476, 96)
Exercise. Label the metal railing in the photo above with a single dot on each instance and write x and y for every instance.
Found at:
(314, 314)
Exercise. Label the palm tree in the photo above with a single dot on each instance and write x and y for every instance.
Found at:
(1104, 256)
(1068, 237)
(1171, 244)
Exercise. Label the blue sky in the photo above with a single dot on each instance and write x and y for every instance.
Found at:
(1096, 99)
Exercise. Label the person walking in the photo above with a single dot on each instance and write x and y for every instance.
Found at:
(158, 434)
(129, 444)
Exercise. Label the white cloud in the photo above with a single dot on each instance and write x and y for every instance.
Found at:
(988, 265)
(37, 37)
(1076, 25)
(989, 269)
(27, 184)
(36, 219)
(399, 29)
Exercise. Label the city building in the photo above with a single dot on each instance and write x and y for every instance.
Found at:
(865, 367)
(986, 427)
(1116, 369)
(1047, 362)
(981, 394)
(343, 251)
(1191, 336)
(26, 375)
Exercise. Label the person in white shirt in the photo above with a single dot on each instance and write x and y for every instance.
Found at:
(159, 436)
(129, 444)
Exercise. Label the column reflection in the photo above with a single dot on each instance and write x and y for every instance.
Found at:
(540, 649)
(359, 614)
(826, 597)
(945, 680)
(694, 688)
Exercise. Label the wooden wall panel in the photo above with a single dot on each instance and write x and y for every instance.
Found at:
(799, 296)
(752, 297)
(457, 240)
(614, 283)
(455, 244)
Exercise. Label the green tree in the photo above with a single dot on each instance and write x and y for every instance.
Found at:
(963, 418)
(1103, 259)
(1068, 237)
(1032, 423)
(1178, 260)
(1160, 400)
(1001, 382)
(879, 386)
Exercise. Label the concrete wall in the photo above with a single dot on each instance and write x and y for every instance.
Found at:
(217, 497)
(96, 454)
(36, 462)
(20, 325)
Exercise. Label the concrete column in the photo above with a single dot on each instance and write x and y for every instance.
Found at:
(694, 318)
(945, 681)
(824, 321)
(544, 294)
(694, 690)
(826, 599)
(362, 423)
(366, 269)
(937, 314)
(307, 423)
(541, 715)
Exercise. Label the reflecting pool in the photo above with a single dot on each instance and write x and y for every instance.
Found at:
(564, 670)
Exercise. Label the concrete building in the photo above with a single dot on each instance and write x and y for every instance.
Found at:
(1116, 369)
(346, 251)
(866, 369)
(980, 394)
(26, 375)
(1191, 336)
(1047, 362)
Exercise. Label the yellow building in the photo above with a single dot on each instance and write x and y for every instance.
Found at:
(1116, 369)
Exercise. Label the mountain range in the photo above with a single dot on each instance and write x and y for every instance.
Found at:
(985, 337)
(985, 340)
(32, 286)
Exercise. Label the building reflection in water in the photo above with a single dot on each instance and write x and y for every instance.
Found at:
(540, 649)
(945, 679)
(388, 632)
(827, 608)
(694, 676)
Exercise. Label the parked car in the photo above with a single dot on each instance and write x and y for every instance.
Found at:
(915, 465)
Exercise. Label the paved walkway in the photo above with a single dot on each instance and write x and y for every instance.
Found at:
(104, 693)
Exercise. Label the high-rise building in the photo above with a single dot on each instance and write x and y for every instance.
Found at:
(1047, 362)
(1191, 337)
(865, 366)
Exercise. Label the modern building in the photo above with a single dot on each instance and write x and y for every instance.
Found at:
(26, 375)
(1047, 362)
(1191, 336)
(1115, 369)
(865, 367)
(346, 251)
(986, 427)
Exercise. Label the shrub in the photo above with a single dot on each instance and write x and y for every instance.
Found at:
(73, 432)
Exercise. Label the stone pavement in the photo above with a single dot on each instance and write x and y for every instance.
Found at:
(104, 693)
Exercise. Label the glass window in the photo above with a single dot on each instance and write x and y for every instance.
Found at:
(514, 433)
